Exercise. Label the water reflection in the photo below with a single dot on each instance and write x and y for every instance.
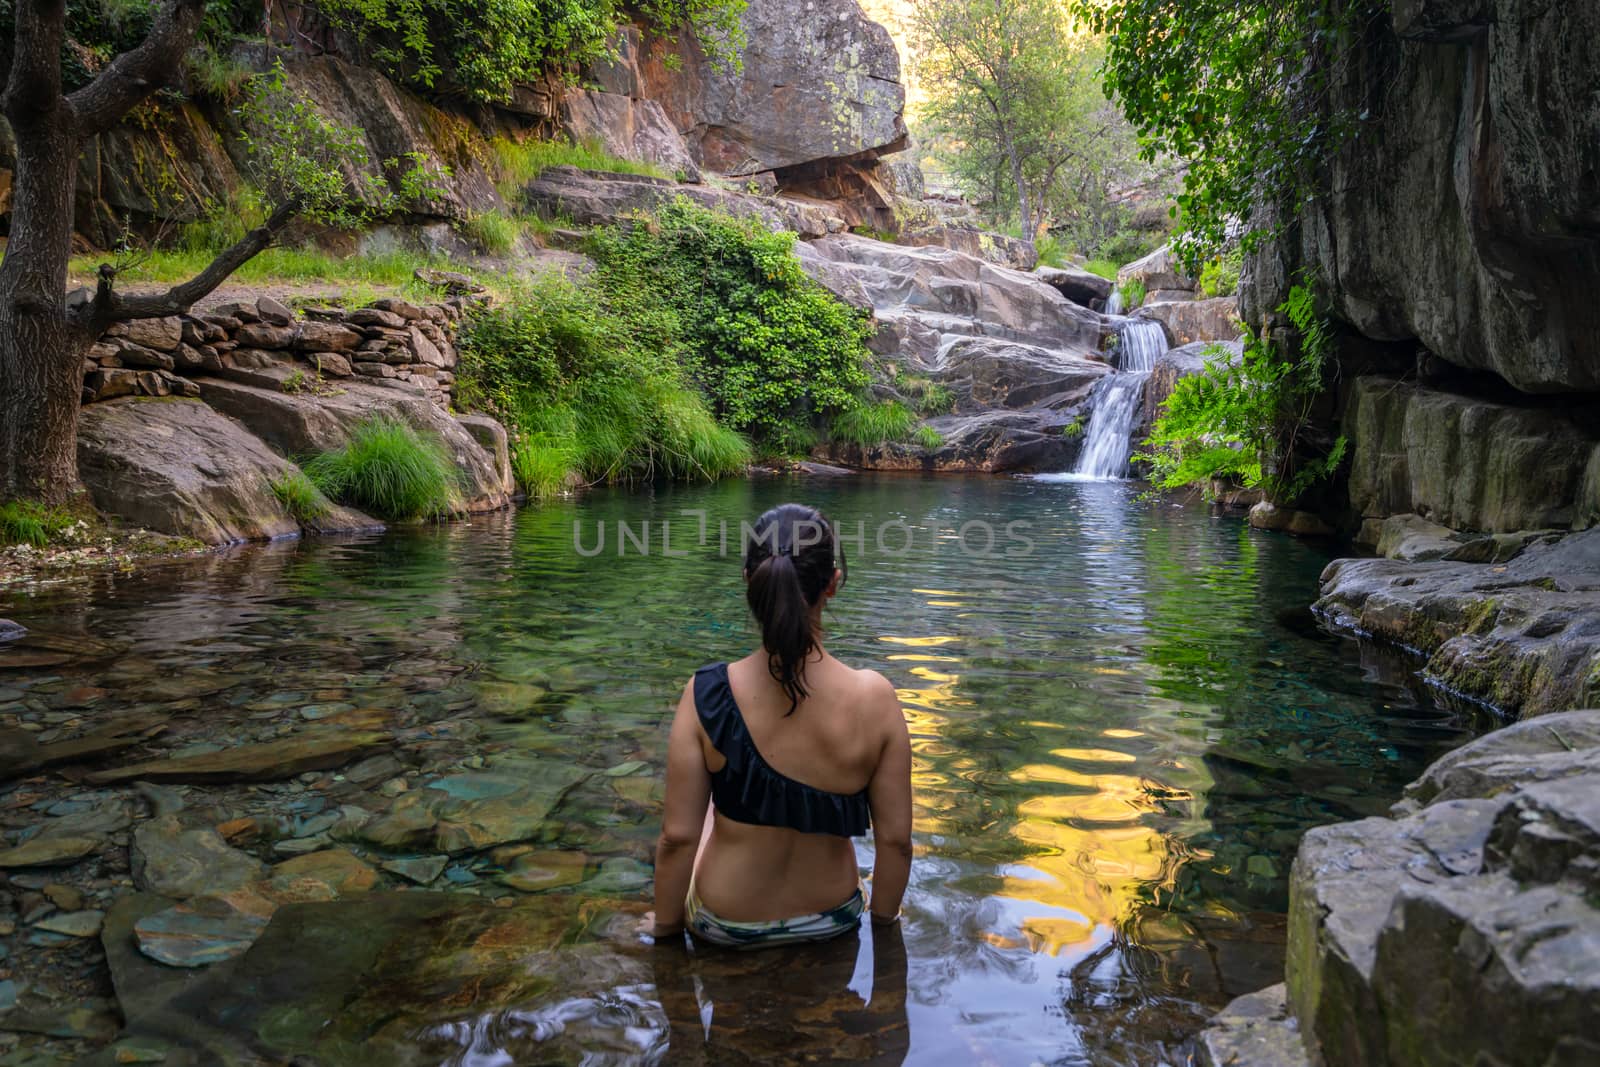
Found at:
(1117, 741)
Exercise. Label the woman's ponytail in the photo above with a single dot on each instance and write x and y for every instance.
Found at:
(788, 565)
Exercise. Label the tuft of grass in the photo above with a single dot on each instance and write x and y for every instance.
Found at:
(23, 522)
(214, 73)
(873, 424)
(1103, 267)
(928, 438)
(519, 162)
(300, 496)
(495, 232)
(693, 443)
(1133, 293)
(389, 469)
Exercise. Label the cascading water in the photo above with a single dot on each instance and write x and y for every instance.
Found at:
(1114, 302)
(1116, 401)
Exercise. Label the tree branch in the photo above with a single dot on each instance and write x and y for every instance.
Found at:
(109, 306)
(137, 73)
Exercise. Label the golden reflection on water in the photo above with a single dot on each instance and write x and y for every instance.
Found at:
(1091, 861)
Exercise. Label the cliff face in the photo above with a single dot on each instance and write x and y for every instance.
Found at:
(1466, 214)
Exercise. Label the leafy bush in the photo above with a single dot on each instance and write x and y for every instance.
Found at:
(1052, 253)
(24, 522)
(1133, 294)
(483, 49)
(1243, 421)
(300, 496)
(389, 469)
(771, 349)
(1220, 275)
(591, 394)
(873, 424)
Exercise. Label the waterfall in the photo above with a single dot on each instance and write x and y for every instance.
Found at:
(1116, 401)
(1114, 302)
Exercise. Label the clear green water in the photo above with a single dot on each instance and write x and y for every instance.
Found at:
(1119, 738)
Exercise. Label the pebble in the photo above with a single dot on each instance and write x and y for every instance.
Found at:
(419, 869)
(49, 851)
(64, 896)
(74, 923)
(140, 1050)
(8, 994)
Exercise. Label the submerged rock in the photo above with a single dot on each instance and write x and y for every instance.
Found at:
(476, 810)
(205, 930)
(49, 851)
(1255, 1029)
(311, 750)
(174, 862)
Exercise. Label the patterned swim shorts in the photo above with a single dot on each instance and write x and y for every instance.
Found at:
(822, 926)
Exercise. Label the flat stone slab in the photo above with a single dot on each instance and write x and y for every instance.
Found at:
(175, 862)
(312, 750)
(49, 852)
(476, 810)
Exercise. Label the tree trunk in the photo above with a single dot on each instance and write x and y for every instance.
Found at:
(1023, 206)
(41, 351)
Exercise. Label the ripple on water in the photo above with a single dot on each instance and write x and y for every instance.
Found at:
(1117, 740)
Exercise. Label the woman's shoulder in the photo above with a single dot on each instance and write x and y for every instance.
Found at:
(876, 691)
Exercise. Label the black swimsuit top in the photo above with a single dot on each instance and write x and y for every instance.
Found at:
(749, 790)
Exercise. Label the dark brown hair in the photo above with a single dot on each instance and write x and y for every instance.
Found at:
(788, 565)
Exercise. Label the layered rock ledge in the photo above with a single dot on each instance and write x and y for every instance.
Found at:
(1522, 635)
(1462, 931)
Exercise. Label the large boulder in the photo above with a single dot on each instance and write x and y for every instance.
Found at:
(1464, 931)
(1188, 321)
(303, 425)
(179, 467)
(1464, 216)
(592, 198)
(1520, 636)
(1466, 463)
(1018, 358)
(1077, 285)
(628, 128)
(1158, 270)
(815, 82)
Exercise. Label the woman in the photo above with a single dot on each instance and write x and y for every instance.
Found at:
(796, 752)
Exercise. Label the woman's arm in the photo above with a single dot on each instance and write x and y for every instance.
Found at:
(688, 792)
(889, 795)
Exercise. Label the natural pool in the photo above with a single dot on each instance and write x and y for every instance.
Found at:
(1120, 733)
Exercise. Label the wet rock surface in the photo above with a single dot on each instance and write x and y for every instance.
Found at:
(1018, 358)
(1522, 636)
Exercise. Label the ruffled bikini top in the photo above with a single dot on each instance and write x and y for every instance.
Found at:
(747, 789)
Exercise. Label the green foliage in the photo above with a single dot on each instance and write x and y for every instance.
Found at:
(927, 437)
(389, 469)
(933, 398)
(772, 350)
(1242, 421)
(873, 424)
(1103, 267)
(23, 522)
(1133, 293)
(495, 232)
(482, 49)
(300, 496)
(591, 394)
(296, 156)
(1016, 110)
(1239, 91)
(1076, 428)
(519, 162)
(1052, 253)
(1220, 275)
